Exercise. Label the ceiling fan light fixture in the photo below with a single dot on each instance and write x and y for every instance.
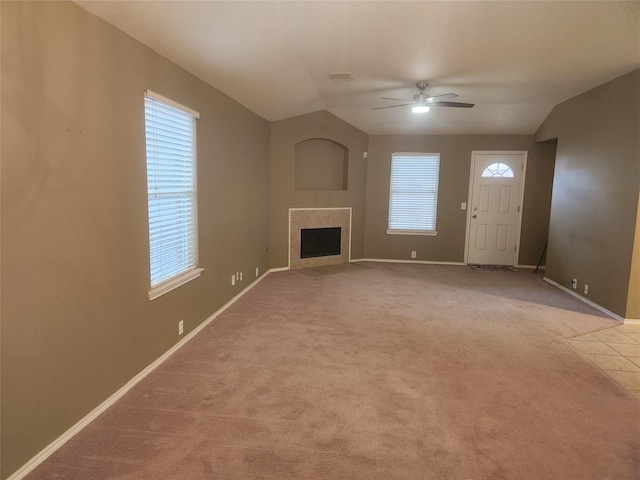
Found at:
(422, 102)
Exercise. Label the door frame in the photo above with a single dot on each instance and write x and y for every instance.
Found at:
(524, 153)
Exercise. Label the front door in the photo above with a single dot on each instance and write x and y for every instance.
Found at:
(495, 207)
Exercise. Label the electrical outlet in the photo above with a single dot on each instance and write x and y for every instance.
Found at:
(574, 283)
(413, 254)
(240, 276)
(233, 280)
(586, 289)
(180, 327)
(257, 271)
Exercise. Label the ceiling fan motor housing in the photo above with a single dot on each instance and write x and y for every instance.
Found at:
(420, 98)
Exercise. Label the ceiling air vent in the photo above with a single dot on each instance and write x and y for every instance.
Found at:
(344, 76)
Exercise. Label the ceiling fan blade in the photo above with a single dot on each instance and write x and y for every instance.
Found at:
(392, 106)
(453, 104)
(397, 99)
(438, 98)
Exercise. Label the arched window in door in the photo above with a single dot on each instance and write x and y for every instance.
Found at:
(498, 170)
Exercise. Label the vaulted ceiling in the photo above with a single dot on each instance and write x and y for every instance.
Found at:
(514, 60)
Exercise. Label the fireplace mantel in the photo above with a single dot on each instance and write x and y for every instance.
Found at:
(300, 218)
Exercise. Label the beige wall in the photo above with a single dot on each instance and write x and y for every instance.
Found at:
(369, 182)
(455, 162)
(595, 195)
(321, 165)
(76, 320)
(633, 298)
(285, 134)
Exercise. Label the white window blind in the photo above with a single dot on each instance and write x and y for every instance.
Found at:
(172, 196)
(413, 196)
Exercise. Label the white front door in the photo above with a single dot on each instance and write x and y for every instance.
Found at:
(495, 207)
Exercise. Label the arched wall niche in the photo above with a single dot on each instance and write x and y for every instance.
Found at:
(321, 164)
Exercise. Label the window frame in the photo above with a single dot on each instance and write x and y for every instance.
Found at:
(495, 171)
(394, 188)
(187, 270)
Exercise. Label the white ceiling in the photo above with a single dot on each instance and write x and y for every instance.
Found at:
(514, 60)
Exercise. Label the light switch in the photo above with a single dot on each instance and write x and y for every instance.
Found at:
(463, 206)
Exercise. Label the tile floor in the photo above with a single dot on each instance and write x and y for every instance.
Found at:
(617, 351)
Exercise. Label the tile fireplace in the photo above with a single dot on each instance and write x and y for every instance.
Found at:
(327, 234)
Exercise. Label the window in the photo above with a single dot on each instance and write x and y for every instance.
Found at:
(413, 196)
(498, 170)
(171, 187)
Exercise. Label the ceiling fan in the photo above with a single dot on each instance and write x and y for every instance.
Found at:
(421, 101)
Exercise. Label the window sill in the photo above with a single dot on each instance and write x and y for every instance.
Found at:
(173, 283)
(429, 233)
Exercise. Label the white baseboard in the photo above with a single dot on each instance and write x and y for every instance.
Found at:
(86, 420)
(279, 269)
(388, 260)
(391, 260)
(585, 300)
(632, 321)
(425, 262)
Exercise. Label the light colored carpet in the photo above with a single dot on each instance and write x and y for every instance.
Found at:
(395, 371)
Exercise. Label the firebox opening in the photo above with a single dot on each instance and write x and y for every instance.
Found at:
(320, 242)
